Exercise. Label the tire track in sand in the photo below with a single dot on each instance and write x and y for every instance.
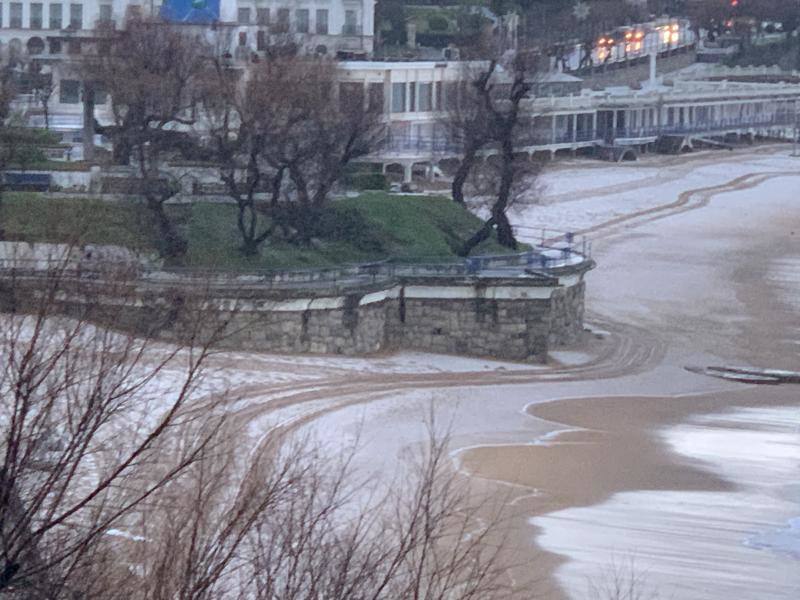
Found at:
(630, 350)
(688, 200)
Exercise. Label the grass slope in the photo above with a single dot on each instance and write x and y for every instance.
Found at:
(373, 226)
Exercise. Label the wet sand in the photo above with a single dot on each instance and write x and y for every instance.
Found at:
(608, 446)
(720, 285)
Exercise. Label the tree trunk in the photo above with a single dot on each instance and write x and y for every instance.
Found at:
(247, 222)
(172, 244)
(88, 122)
(484, 233)
(460, 178)
(505, 233)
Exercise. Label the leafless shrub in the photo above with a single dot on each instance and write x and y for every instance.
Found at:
(85, 416)
(122, 477)
(621, 580)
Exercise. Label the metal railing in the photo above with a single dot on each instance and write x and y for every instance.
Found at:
(420, 144)
(721, 125)
(557, 251)
(423, 145)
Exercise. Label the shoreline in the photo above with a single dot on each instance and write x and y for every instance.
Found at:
(584, 465)
(715, 283)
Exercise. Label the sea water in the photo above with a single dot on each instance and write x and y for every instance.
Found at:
(743, 543)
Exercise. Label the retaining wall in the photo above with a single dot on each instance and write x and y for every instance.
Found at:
(516, 318)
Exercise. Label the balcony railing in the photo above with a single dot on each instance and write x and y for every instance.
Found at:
(420, 145)
(438, 145)
(719, 125)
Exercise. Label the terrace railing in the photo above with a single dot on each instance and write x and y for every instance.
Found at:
(557, 252)
(718, 125)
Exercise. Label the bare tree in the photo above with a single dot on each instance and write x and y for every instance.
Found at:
(467, 122)
(41, 84)
(152, 72)
(19, 145)
(283, 134)
(486, 119)
(426, 542)
(119, 479)
(86, 417)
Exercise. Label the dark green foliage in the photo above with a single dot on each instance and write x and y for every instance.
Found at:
(368, 181)
(22, 147)
(438, 23)
(347, 224)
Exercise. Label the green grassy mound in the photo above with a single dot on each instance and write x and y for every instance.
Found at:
(373, 226)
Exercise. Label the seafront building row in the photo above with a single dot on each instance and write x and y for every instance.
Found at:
(701, 103)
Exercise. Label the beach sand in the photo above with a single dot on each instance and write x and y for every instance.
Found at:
(721, 285)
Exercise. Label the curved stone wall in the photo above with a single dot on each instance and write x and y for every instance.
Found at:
(516, 318)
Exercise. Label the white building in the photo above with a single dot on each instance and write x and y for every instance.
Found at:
(342, 24)
(696, 106)
(54, 33)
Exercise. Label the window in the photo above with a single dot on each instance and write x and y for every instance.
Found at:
(437, 96)
(301, 20)
(283, 20)
(105, 15)
(70, 91)
(133, 11)
(36, 15)
(55, 16)
(261, 40)
(73, 47)
(425, 97)
(76, 16)
(262, 16)
(15, 15)
(1, 14)
(322, 21)
(243, 16)
(412, 96)
(398, 97)
(349, 23)
(55, 46)
(242, 38)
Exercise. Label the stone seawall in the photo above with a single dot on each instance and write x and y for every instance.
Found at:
(516, 318)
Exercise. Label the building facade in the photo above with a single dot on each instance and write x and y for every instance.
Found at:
(52, 34)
